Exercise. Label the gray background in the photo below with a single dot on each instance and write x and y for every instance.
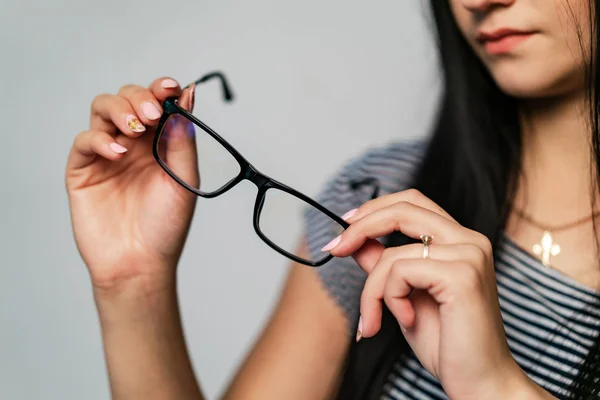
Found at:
(317, 83)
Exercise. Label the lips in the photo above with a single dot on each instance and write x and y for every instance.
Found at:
(502, 40)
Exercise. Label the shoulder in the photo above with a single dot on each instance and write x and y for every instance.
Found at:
(393, 165)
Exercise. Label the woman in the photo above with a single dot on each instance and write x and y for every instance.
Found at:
(489, 304)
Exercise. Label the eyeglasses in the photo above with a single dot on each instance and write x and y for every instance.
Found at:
(207, 165)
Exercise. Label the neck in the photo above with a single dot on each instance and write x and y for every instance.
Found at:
(555, 188)
(557, 178)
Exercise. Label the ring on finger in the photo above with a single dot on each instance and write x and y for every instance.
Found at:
(426, 239)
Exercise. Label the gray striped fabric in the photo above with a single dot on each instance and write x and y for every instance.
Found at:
(550, 319)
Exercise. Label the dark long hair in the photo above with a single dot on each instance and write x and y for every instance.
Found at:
(470, 169)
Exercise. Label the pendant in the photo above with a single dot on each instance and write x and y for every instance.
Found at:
(546, 249)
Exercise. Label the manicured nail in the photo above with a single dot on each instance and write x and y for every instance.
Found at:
(117, 148)
(134, 124)
(329, 246)
(349, 214)
(192, 97)
(169, 84)
(150, 110)
(359, 330)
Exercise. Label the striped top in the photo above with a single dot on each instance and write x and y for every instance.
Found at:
(550, 319)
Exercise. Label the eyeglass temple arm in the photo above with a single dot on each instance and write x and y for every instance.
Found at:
(373, 182)
(227, 93)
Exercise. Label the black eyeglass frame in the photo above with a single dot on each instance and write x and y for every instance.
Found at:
(247, 172)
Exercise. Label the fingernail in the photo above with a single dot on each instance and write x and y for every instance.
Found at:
(117, 148)
(169, 84)
(134, 124)
(150, 110)
(192, 97)
(349, 214)
(359, 330)
(403, 329)
(329, 246)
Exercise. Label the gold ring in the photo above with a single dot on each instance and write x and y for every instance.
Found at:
(426, 239)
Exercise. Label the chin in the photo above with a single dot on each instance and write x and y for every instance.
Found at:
(536, 81)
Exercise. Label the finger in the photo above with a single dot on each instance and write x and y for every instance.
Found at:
(368, 255)
(90, 144)
(411, 196)
(443, 280)
(186, 100)
(112, 113)
(143, 101)
(177, 143)
(165, 87)
(372, 294)
(408, 218)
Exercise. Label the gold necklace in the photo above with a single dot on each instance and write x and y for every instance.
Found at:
(548, 248)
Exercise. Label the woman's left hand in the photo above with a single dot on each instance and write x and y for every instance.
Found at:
(446, 304)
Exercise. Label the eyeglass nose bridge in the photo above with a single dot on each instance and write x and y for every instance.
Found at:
(254, 176)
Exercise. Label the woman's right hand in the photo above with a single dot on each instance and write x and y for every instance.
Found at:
(130, 219)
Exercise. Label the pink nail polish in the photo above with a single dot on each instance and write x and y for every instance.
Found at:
(349, 214)
(359, 330)
(192, 97)
(329, 246)
(134, 124)
(150, 110)
(169, 84)
(117, 148)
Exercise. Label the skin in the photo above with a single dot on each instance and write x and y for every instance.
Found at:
(115, 200)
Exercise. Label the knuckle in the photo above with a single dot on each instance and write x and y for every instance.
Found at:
(478, 255)
(387, 296)
(486, 245)
(81, 134)
(413, 194)
(397, 268)
(79, 138)
(128, 89)
(97, 138)
(142, 95)
(101, 98)
(469, 277)
(403, 206)
(400, 212)
(364, 209)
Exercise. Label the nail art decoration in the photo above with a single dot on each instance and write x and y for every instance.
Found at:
(134, 124)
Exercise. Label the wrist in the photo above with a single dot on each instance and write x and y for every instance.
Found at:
(509, 382)
(527, 389)
(133, 300)
(519, 386)
(137, 279)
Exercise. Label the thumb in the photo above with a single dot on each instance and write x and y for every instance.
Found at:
(177, 147)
